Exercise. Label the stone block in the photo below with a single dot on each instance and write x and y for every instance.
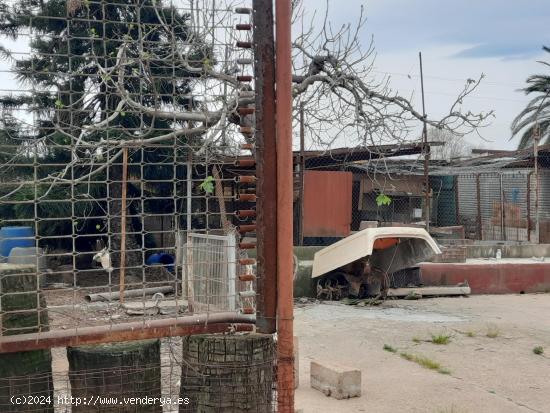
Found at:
(335, 381)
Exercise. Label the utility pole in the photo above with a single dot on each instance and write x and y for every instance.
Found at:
(426, 150)
(536, 138)
(302, 170)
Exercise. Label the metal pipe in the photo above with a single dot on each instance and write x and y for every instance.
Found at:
(302, 167)
(188, 190)
(536, 170)
(502, 212)
(139, 330)
(246, 228)
(529, 205)
(244, 162)
(243, 213)
(426, 149)
(246, 198)
(109, 296)
(123, 223)
(266, 166)
(285, 302)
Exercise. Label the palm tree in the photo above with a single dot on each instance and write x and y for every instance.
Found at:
(537, 112)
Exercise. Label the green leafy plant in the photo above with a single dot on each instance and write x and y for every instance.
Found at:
(425, 362)
(207, 185)
(440, 339)
(383, 200)
(538, 350)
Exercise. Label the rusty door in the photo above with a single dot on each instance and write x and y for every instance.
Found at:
(327, 203)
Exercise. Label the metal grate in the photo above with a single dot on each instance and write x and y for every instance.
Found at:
(210, 265)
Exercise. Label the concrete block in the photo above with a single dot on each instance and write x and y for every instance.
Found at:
(296, 363)
(335, 381)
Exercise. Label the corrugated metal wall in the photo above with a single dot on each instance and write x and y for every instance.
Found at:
(443, 209)
(510, 187)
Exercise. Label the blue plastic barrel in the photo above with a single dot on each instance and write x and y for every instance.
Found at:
(11, 237)
(163, 259)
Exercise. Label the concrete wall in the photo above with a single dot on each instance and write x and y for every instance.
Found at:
(508, 250)
(490, 278)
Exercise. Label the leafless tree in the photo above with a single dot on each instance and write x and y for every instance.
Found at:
(344, 101)
(454, 145)
(332, 78)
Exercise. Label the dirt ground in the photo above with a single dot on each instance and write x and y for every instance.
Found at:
(490, 358)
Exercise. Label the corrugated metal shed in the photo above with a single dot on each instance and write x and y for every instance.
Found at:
(516, 189)
(327, 203)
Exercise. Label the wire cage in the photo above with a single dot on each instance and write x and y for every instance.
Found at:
(128, 203)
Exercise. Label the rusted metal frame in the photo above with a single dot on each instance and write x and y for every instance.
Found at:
(266, 166)
(168, 327)
(478, 192)
(285, 180)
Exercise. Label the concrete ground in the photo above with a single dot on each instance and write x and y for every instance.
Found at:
(490, 354)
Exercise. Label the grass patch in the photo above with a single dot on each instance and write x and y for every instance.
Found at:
(538, 350)
(470, 334)
(441, 339)
(416, 339)
(425, 362)
(492, 331)
(389, 348)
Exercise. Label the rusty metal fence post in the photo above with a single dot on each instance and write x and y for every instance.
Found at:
(266, 166)
(283, 79)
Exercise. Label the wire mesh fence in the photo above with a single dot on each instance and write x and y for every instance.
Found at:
(347, 196)
(127, 199)
(204, 373)
(116, 159)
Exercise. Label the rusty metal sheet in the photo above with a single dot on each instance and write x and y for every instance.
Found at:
(327, 203)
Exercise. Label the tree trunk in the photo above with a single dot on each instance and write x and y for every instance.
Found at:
(27, 373)
(224, 374)
(129, 369)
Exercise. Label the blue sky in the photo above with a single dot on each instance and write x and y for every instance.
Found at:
(458, 40)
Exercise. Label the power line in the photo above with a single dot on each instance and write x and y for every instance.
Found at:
(447, 79)
(470, 96)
